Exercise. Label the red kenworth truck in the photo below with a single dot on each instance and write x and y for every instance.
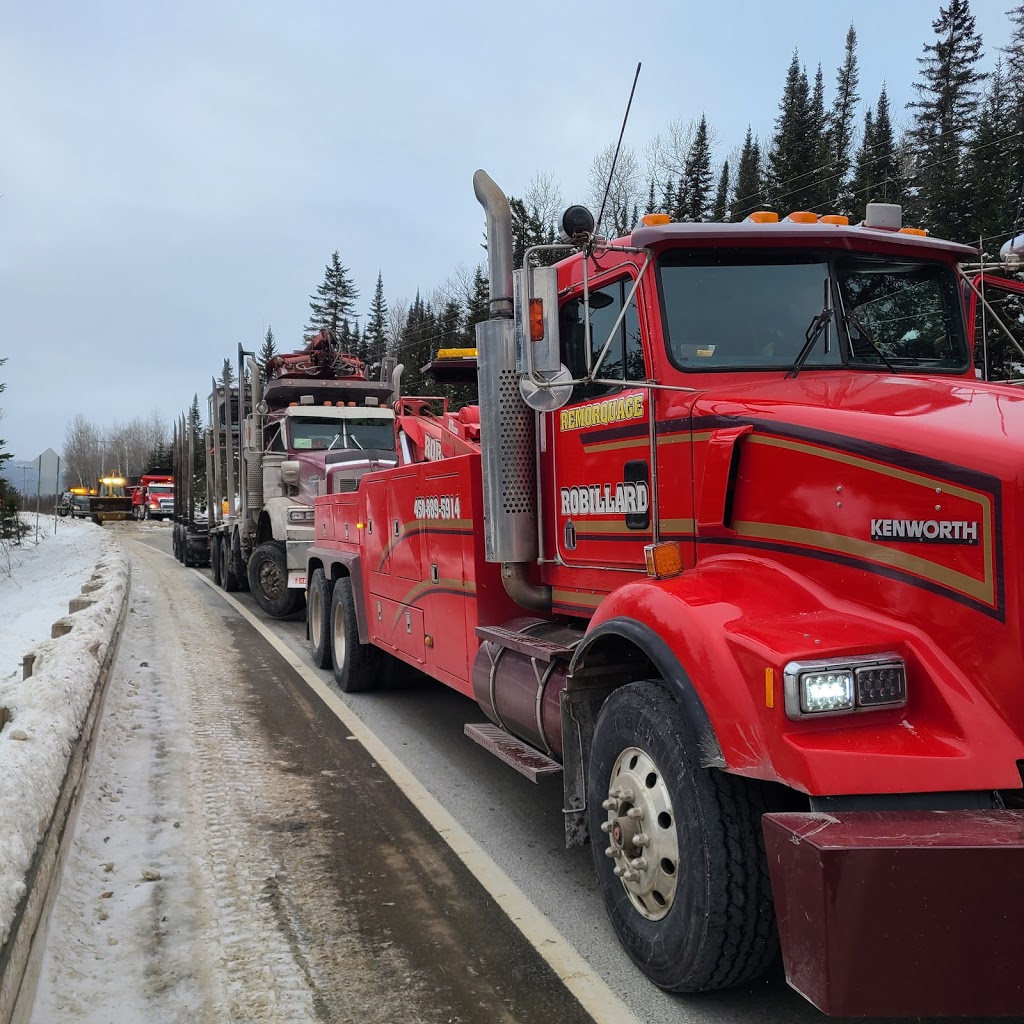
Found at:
(728, 542)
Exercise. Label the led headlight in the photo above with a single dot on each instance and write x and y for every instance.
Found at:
(300, 515)
(835, 686)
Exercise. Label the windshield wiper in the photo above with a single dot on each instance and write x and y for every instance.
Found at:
(851, 318)
(814, 332)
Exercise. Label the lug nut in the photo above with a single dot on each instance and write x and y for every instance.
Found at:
(640, 839)
(626, 794)
(611, 804)
(606, 826)
(635, 812)
(610, 851)
(640, 863)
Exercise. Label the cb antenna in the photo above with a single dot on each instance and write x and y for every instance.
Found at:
(618, 146)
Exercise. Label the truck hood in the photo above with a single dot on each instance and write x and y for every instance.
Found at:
(952, 419)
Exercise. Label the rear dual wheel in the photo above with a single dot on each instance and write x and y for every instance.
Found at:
(318, 618)
(358, 667)
(678, 848)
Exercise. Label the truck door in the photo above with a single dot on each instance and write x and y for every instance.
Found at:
(602, 477)
(996, 356)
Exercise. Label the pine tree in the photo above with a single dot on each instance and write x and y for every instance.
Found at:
(749, 195)
(267, 352)
(818, 185)
(376, 329)
(478, 306)
(11, 525)
(947, 103)
(793, 159)
(878, 175)
(1015, 88)
(990, 162)
(720, 208)
(695, 187)
(195, 419)
(841, 122)
(334, 300)
(227, 374)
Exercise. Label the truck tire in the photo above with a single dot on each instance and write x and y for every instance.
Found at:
(268, 580)
(215, 565)
(228, 579)
(241, 570)
(694, 907)
(357, 667)
(318, 619)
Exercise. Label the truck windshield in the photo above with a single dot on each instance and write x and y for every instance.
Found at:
(361, 433)
(733, 310)
(160, 489)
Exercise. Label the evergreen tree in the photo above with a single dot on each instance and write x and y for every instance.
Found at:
(749, 195)
(529, 229)
(334, 300)
(793, 159)
(376, 329)
(1015, 88)
(695, 188)
(651, 202)
(990, 163)
(267, 352)
(720, 208)
(478, 307)
(227, 374)
(878, 176)
(944, 111)
(195, 418)
(841, 123)
(11, 525)
(818, 185)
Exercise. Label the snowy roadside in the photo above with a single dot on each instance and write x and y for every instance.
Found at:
(48, 710)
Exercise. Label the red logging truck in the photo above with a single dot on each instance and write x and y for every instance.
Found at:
(728, 543)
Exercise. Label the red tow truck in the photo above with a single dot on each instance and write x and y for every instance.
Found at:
(153, 497)
(729, 544)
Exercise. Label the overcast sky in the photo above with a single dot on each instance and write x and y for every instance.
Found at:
(175, 176)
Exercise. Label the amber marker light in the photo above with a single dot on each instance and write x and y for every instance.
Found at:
(802, 217)
(769, 687)
(360, 526)
(834, 218)
(456, 353)
(913, 231)
(664, 560)
(762, 217)
(536, 320)
(654, 220)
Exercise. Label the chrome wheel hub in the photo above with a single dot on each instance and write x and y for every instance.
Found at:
(641, 828)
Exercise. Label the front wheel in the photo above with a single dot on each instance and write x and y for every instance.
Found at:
(678, 848)
(268, 580)
(318, 619)
(357, 667)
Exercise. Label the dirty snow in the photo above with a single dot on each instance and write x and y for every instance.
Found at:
(37, 579)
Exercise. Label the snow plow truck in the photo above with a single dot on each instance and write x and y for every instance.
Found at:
(729, 545)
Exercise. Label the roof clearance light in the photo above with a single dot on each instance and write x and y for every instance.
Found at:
(654, 220)
(664, 560)
(834, 218)
(914, 231)
(456, 353)
(802, 217)
(762, 217)
(536, 319)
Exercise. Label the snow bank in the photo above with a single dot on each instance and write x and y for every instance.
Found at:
(48, 709)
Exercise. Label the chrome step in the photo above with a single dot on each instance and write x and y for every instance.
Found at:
(525, 759)
(532, 646)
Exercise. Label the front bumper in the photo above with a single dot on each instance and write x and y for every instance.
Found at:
(909, 913)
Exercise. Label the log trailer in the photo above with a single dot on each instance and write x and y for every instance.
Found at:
(274, 447)
(728, 544)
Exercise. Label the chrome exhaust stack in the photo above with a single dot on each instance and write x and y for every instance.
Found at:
(507, 425)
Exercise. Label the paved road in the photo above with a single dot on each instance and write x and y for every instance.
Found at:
(517, 824)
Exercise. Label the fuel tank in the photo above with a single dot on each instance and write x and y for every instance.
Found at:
(521, 692)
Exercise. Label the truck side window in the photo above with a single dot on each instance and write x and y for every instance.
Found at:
(272, 440)
(990, 342)
(624, 359)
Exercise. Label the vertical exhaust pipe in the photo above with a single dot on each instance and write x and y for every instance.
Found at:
(507, 425)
